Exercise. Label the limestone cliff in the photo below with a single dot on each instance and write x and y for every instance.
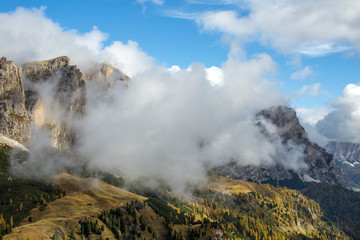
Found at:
(23, 104)
(13, 115)
(68, 96)
(345, 152)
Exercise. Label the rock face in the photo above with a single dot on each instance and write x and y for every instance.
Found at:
(321, 165)
(345, 152)
(68, 96)
(13, 115)
(106, 70)
(23, 103)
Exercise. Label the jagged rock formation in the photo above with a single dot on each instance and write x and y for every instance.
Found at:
(68, 96)
(321, 165)
(347, 156)
(345, 152)
(22, 104)
(13, 115)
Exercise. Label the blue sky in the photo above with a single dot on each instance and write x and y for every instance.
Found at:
(314, 47)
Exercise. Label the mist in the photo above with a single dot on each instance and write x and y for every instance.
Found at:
(165, 125)
(172, 127)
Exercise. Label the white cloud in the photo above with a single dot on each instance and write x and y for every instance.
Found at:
(215, 75)
(311, 115)
(318, 50)
(308, 118)
(305, 26)
(342, 124)
(29, 35)
(157, 2)
(162, 125)
(309, 90)
(302, 74)
(174, 68)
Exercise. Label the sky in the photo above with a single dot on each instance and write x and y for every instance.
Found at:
(314, 45)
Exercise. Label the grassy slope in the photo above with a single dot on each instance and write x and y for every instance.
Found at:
(85, 198)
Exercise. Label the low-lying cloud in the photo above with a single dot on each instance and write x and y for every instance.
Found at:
(165, 125)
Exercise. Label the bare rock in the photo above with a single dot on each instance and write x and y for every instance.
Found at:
(321, 166)
(69, 95)
(13, 115)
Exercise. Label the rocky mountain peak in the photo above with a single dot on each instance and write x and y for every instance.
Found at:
(320, 165)
(13, 115)
(22, 104)
(345, 152)
(285, 119)
(106, 71)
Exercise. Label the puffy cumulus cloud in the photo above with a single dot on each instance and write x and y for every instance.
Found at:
(309, 90)
(29, 35)
(215, 75)
(302, 26)
(342, 124)
(301, 74)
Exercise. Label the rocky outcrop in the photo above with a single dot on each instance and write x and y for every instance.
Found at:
(23, 103)
(68, 97)
(13, 115)
(345, 152)
(320, 165)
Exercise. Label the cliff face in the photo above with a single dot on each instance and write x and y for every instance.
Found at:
(13, 115)
(321, 165)
(22, 104)
(345, 152)
(68, 95)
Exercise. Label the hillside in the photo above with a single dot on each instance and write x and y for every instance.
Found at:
(221, 209)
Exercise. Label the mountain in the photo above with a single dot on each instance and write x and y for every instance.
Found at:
(320, 165)
(24, 105)
(345, 152)
(88, 208)
(13, 114)
(50, 94)
(347, 155)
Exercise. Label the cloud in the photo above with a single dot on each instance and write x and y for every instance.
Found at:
(342, 124)
(157, 2)
(312, 115)
(215, 75)
(29, 35)
(301, 74)
(169, 125)
(318, 50)
(305, 27)
(309, 90)
(163, 125)
(308, 118)
(214, 2)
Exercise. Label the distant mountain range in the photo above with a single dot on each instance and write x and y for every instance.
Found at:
(345, 152)
(347, 156)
